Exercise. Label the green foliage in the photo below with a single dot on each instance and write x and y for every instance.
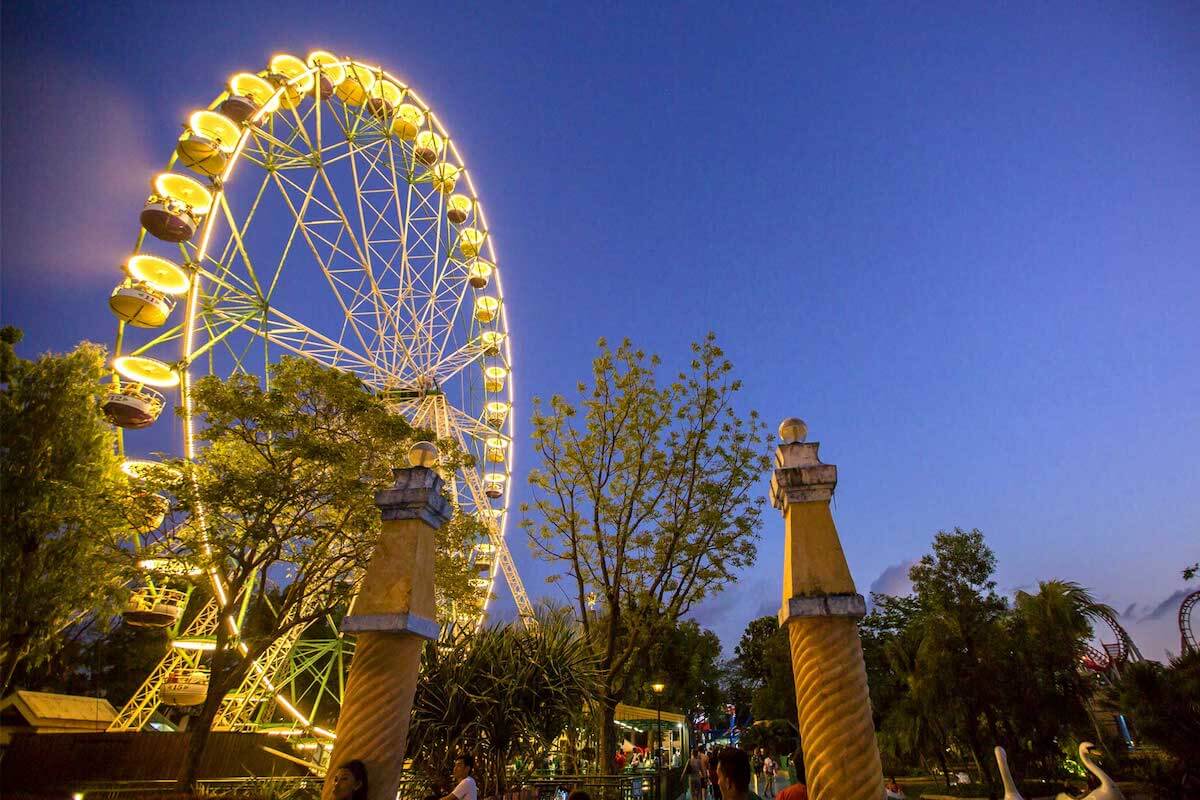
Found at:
(776, 736)
(687, 659)
(644, 498)
(953, 669)
(1046, 691)
(751, 651)
(1164, 703)
(280, 501)
(763, 664)
(501, 693)
(65, 505)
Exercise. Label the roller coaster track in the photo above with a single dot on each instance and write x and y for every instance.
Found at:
(1187, 635)
(1115, 654)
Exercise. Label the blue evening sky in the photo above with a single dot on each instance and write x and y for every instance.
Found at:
(961, 240)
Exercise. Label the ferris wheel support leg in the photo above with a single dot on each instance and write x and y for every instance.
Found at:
(393, 616)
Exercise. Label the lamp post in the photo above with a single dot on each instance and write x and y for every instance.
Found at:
(658, 753)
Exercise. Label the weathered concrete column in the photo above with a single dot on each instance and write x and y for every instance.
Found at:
(820, 610)
(393, 615)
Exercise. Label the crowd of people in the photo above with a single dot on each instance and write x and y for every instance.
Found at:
(730, 773)
(712, 773)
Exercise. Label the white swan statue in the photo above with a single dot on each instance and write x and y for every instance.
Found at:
(1010, 786)
(1107, 790)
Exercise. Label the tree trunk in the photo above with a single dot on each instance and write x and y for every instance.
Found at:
(228, 670)
(10, 669)
(945, 766)
(973, 745)
(198, 740)
(608, 744)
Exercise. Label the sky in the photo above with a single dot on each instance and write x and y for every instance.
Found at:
(963, 243)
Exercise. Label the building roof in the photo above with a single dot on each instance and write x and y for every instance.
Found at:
(630, 713)
(44, 709)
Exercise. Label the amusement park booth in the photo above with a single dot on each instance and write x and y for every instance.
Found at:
(637, 727)
(43, 712)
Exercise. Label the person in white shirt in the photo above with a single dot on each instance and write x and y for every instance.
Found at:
(465, 788)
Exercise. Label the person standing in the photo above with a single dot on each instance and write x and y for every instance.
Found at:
(770, 768)
(692, 771)
(464, 779)
(756, 766)
(714, 786)
(619, 760)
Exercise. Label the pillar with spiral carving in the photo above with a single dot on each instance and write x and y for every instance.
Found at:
(393, 615)
(821, 609)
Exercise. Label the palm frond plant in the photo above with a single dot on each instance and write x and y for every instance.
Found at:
(499, 693)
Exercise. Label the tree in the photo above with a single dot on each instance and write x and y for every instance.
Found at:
(280, 504)
(499, 693)
(751, 651)
(65, 505)
(961, 650)
(1164, 703)
(953, 668)
(686, 658)
(910, 728)
(763, 659)
(645, 501)
(1046, 691)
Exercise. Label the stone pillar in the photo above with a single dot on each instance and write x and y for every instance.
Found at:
(821, 609)
(393, 615)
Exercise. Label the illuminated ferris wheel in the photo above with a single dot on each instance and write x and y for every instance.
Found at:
(317, 208)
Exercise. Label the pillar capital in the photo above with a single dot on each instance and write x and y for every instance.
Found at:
(800, 477)
(417, 494)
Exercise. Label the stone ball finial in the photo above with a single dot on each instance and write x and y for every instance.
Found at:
(793, 430)
(423, 454)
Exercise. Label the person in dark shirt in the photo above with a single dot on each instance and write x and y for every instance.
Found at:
(733, 774)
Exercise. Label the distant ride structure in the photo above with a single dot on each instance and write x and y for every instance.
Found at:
(1187, 633)
(315, 208)
(1107, 660)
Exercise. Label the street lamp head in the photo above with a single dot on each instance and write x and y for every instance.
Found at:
(658, 687)
(793, 430)
(423, 454)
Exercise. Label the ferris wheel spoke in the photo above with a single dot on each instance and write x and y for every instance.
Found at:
(466, 355)
(440, 289)
(470, 426)
(289, 333)
(398, 267)
(169, 335)
(391, 248)
(383, 306)
(381, 310)
(423, 255)
(325, 263)
(267, 145)
(236, 236)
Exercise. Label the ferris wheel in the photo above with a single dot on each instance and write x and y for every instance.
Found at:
(317, 208)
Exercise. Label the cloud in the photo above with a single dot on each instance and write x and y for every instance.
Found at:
(74, 182)
(894, 580)
(1169, 606)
